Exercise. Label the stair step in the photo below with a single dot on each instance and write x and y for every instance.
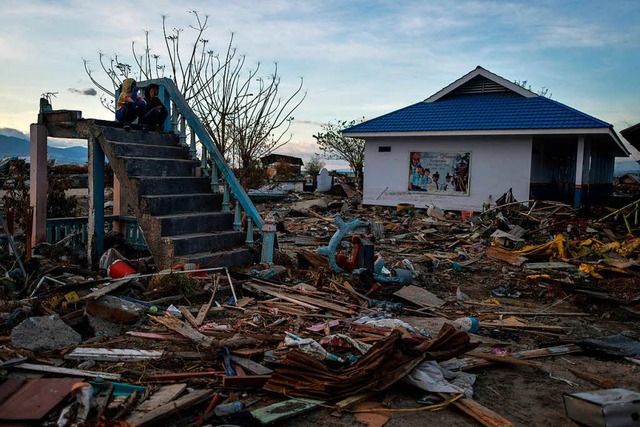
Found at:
(203, 242)
(137, 136)
(131, 149)
(173, 204)
(155, 185)
(199, 222)
(151, 166)
(188, 224)
(231, 258)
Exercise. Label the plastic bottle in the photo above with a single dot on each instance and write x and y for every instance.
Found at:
(467, 324)
(228, 408)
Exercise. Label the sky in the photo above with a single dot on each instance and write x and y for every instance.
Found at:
(357, 58)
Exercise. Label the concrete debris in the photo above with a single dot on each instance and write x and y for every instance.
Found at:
(44, 333)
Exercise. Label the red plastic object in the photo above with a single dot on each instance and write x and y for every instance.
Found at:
(119, 269)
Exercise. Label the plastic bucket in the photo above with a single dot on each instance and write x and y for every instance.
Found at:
(119, 269)
(466, 215)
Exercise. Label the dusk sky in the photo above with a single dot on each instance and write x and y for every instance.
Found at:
(357, 58)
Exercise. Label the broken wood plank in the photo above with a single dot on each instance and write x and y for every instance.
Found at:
(419, 296)
(204, 310)
(350, 401)
(520, 325)
(155, 336)
(327, 305)
(184, 329)
(244, 301)
(468, 363)
(251, 366)
(539, 313)
(594, 379)
(164, 395)
(506, 359)
(267, 291)
(113, 354)
(188, 316)
(67, 371)
(505, 255)
(106, 289)
(150, 418)
(480, 413)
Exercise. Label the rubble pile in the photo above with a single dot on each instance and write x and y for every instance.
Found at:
(515, 315)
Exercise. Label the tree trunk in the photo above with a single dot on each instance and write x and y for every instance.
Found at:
(359, 176)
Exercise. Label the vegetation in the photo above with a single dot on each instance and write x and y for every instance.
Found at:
(337, 146)
(314, 165)
(544, 91)
(246, 114)
(16, 196)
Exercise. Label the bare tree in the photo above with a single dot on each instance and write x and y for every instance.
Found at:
(262, 125)
(543, 91)
(337, 146)
(245, 115)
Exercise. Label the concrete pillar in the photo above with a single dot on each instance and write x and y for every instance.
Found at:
(580, 171)
(95, 244)
(38, 182)
(119, 205)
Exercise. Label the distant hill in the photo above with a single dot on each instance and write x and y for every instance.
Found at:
(17, 147)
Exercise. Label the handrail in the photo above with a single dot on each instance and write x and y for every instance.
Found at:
(206, 140)
(58, 228)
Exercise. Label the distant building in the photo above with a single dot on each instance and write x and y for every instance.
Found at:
(483, 135)
(629, 183)
(294, 163)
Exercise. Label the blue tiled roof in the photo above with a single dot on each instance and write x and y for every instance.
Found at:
(480, 112)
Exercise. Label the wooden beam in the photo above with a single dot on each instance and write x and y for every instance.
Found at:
(185, 402)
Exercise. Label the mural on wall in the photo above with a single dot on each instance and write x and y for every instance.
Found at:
(443, 173)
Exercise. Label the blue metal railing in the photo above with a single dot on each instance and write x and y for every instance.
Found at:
(232, 185)
(59, 228)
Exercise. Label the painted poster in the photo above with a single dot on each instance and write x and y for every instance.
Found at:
(442, 173)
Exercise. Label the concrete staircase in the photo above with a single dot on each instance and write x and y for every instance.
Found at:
(181, 218)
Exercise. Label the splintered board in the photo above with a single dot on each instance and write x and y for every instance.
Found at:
(419, 296)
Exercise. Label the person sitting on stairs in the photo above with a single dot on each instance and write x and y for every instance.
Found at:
(130, 106)
(156, 113)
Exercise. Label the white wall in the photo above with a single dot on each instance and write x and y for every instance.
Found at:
(497, 164)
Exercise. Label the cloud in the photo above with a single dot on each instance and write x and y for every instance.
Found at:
(13, 132)
(89, 92)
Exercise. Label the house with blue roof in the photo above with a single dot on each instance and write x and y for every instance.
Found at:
(481, 136)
